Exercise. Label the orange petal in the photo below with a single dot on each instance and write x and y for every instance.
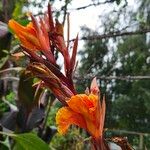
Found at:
(66, 117)
(86, 105)
(30, 38)
(26, 35)
(30, 28)
(27, 44)
(16, 27)
(83, 103)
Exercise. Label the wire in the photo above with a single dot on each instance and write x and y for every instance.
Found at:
(113, 77)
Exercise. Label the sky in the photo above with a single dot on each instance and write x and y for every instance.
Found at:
(90, 17)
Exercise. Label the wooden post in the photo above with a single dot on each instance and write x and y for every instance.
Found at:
(141, 142)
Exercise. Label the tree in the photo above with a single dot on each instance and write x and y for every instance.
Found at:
(129, 100)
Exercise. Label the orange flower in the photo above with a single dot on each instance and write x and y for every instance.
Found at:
(34, 36)
(29, 36)
(84, 111)
(40, 40)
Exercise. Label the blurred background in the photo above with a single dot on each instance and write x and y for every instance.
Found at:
(114, 46)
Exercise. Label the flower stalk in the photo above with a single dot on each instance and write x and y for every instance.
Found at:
(86, 111)
(99, 144)
(39, 40)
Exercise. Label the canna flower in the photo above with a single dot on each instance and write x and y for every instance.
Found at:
(40, 40)
(29, 37)
(34, 36)
(85, 111)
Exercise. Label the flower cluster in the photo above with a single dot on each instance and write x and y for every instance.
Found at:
(84, 110)
(40, 40)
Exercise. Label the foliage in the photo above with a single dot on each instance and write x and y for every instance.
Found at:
(129, 99)
(74, 139)
(27, 141)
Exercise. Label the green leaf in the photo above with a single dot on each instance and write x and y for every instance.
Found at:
(18, 10)
(10, 96)
(28, 141)
(17, 147)
(26, 92)
(3, 60)
(5, 144)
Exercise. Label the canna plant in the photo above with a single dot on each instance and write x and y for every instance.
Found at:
(40, 40)
(86, 111)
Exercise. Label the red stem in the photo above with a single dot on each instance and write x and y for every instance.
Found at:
(99, 144)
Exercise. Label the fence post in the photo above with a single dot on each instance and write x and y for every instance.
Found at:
(141, 142)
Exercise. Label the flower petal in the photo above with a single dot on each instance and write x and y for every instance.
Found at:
(87, 105)
(26, 35)
(66, 117)
(82, 103)
(16, 27)
(94, 87)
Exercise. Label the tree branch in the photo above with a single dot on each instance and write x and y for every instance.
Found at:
(89, 5)
(65, 11)
(114, 34)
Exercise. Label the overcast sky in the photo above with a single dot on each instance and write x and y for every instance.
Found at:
(89, 17)
(86, 17)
